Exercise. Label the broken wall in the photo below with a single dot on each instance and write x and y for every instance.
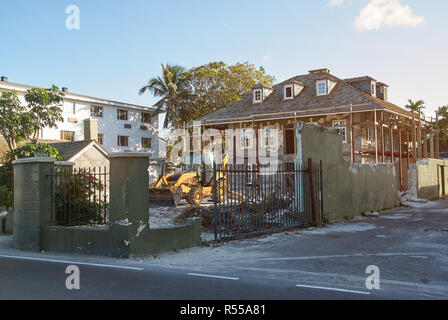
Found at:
(348, 189)
(428, 179)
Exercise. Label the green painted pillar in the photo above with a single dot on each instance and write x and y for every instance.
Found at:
(129, 198)
(32, 201)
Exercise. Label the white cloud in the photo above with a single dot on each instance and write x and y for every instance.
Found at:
(334, 3)
(386, 13)
(266, 58)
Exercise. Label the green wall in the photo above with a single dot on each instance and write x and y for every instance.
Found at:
(349, 190)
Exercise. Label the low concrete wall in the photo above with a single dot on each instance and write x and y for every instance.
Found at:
(98, 241)
(349, 189)
(154, 241)
(427, 178)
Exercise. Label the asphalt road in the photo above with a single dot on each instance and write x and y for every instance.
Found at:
(45, 279)
(409, 245)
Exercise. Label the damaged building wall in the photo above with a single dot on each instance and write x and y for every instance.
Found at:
(428, 179)
(348, 189)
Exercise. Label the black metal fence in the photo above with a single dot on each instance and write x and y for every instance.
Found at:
(250, 199)
(80, 197)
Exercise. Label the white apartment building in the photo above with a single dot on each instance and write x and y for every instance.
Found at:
(118, 126)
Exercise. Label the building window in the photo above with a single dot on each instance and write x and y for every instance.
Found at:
(96, 111)
(101, 138)
(123, 141)
(342, 126)
(289, 94)
(146, 117)
(68, 135)
(321, 88)
(289, 140)
(69, 108)
(268, 139)
(258, 97)
(246, 138)
(127, 126)
(146, 143)
(122, 114)
(370, 134)
(373, 89)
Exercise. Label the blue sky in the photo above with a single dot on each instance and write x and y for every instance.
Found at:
(120, 44)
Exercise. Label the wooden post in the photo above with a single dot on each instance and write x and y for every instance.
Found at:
(352, 135)
(408, 150)
(391, 134)
(310, 178)
(436, 143)
(419, 136)
(400, 165)
(376, 138)
(414, 147)
(382, 136)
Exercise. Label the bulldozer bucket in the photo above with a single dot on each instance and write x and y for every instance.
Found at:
(164, 197)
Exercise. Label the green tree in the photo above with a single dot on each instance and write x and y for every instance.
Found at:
(32, 150)
(12, 115)
(43, 110)
(417, 106)
(168, 87)
(217, 85)
(443, 122)
(18, 122)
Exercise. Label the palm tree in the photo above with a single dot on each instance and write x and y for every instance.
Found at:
(173, 80)
(417, 106)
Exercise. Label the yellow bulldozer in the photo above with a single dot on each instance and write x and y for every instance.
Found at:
(193, 185)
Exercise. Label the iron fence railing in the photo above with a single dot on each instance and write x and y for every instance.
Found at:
(80, 197)
(251, 199)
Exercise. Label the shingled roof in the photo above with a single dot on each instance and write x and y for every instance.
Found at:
(67, 150)
(340, 99)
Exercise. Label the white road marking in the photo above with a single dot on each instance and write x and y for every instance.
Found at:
(332, 289)
(211, 276)
(72, 262)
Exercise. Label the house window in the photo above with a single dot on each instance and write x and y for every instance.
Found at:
(123, 141)
(342, 126)
(321, 88)
(68, 135)
(373, 89)
(146, 117)
(96, 111)
(122, 114)
(289, 140)
(370, 134)
(70, 108)
(288, 92)
(268, 139)
(258, 95)
(246, 138)
(146, 143)
(127, 126)
(101, 138)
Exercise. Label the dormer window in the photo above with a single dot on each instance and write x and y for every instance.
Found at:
(258, 95)
(373, 89)
(321, 87)
(289, 92)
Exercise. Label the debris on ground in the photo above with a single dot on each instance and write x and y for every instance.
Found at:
(371, 214)
(408, 200)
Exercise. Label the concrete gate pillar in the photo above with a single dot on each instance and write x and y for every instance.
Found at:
(129, 197)
(32, 201)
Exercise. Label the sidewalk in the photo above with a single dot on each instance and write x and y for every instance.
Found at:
(409, 245)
